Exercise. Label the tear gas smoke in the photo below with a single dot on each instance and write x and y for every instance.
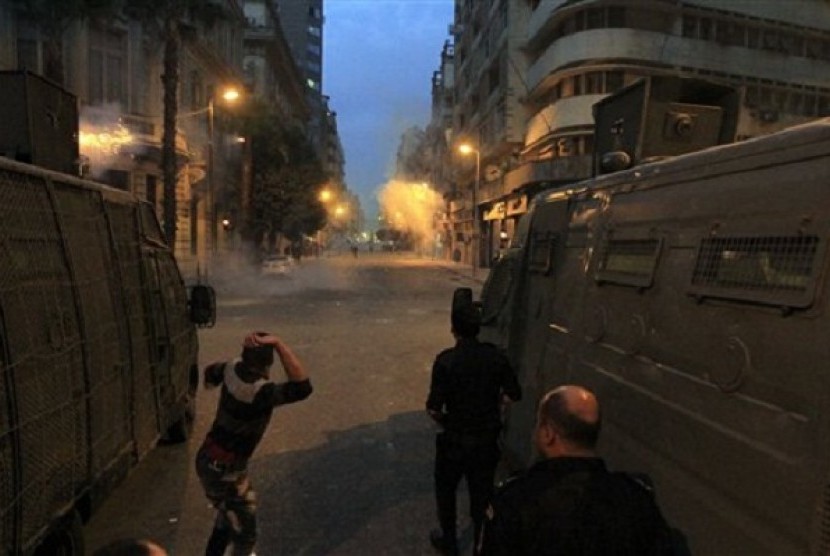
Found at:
(101, 137)
(411, 207)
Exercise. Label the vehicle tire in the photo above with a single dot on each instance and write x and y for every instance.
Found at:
(180, 430)
(67, 539)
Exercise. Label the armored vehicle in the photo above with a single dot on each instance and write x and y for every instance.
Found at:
(98, 350)
(691, 294)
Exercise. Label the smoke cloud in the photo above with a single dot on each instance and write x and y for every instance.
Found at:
(101, 137)
(411, 207)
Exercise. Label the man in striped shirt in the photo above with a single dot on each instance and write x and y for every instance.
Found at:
(246, 403)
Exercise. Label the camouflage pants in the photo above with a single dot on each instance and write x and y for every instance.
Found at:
(229, 490)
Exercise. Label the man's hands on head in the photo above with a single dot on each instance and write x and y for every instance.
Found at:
(257, 339)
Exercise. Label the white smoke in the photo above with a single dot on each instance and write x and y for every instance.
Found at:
(411, 207)
(102, 136)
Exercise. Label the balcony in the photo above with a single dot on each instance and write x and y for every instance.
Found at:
(563, 169)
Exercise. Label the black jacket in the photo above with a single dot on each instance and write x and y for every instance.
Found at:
(468, 381)
(574, 506)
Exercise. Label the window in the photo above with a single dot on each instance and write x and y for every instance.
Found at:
(594, 18)
(542, 246)
(151, 186)
(118, 179)
(614, 80)
(770, 40)
(689, 28)
(593, 83)
(577, 84)
(315, 31)
(753, 37)
(107, 67)
(629, 262)
(616, 16)
(705, 29)
(776, 270)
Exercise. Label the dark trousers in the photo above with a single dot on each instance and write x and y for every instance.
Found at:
(474, 457)
(229, 490)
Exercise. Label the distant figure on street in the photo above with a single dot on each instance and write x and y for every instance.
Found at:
(354, 251)
(470, 382)
(246, 403)
(131, 547)
(569, 503)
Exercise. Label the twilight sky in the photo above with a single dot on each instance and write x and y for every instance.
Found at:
(378, 60)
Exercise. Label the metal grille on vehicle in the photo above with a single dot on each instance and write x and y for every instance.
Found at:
(768, 269)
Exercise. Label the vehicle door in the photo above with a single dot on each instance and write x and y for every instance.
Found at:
(535, 359)
(159, 336)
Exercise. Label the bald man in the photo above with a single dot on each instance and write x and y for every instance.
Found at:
(131, 547)
(568, 503)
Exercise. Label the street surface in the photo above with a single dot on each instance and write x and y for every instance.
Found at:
(347, 471)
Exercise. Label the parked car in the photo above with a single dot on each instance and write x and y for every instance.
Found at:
(277, 265)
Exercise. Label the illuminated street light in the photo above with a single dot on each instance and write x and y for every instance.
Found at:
(230, 95)
(467, 149)
(325, 195)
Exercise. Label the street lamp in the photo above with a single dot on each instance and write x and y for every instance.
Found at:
(467, 149)
(229, 95)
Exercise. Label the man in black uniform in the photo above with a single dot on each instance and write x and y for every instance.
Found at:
(469, 384)
(246, 403)
(569, 503)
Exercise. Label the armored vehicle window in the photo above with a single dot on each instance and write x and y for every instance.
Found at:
(630, 262)
(768, 269)
(542, 245)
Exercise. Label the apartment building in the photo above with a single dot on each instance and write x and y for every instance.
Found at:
(488, 116)
(439, 137)
(302, 22)
(271, 72)
(565, 55)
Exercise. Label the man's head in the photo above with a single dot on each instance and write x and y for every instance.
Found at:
(258, 357)
(466, 321)
(131, 547)
(568, 422)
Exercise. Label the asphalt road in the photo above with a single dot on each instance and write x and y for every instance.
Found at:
(347, 471)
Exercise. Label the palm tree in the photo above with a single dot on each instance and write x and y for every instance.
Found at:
(168, 20)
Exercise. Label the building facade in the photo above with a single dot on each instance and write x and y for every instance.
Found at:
(302, 22)
(525, 92)
(112, 65)
(488, 116)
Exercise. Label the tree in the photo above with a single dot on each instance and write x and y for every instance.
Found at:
(286, 176)
(170, 20)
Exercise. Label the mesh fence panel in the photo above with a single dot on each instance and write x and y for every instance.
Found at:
(6, 462)
(128, 253)
(96, 280)
(45, 351)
